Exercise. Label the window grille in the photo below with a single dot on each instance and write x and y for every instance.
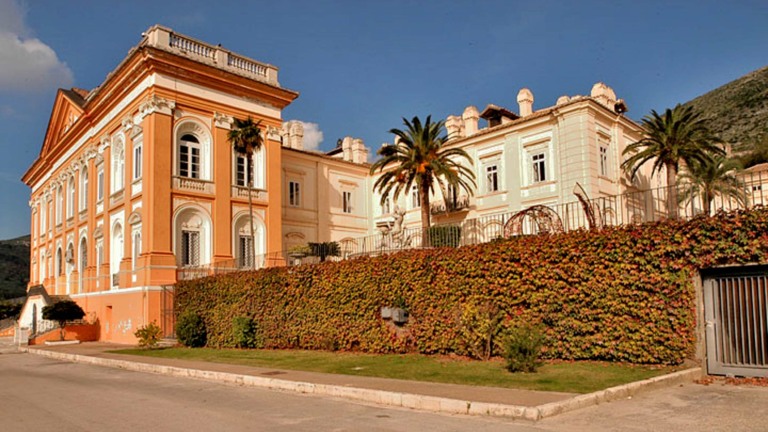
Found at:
(603, 161)
(190, 248)
(246, 251)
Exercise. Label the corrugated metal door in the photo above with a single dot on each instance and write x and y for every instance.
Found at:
(736, 314)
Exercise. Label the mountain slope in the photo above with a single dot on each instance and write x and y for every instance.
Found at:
(14, 267)
(738, 111)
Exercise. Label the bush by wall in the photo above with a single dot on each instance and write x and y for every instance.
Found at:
(191, 330)
(622, 294)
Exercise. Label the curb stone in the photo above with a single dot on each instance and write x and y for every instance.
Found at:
(390, 398)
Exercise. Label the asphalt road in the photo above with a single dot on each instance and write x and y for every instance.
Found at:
(38, 394)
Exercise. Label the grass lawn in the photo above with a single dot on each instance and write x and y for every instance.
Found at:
(572, 377)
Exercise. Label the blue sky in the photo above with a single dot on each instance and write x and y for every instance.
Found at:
(360, 66)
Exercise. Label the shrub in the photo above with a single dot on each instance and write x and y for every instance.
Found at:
(445, 236)
(149, 335)
(523, 348)
(245, 331)
(191, 330)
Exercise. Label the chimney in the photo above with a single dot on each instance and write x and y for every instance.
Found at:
(359, 151)
(346, 148)
(470, 117)
(454, 126)
(297, 135)
(525, 100)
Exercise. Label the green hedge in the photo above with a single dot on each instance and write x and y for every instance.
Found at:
(623, 294)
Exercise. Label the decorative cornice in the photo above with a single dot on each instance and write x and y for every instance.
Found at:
(273, 133)
(156, 104)
(222, 121)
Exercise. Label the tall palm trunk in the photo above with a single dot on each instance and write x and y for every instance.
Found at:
(672, 204)
(249, 176)
(425, 221)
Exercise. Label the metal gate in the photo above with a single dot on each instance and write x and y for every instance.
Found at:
(167, 312)
(736, 316)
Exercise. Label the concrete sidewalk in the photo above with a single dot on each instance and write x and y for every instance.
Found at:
(436, 397)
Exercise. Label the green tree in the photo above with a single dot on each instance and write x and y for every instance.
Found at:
(63, 311)
(716, 176)
(419, 157)
(246, 139)
(679, 135)
(325, 249)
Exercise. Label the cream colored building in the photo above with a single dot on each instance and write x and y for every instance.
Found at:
(536, 157)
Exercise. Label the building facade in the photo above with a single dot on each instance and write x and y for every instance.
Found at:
(136, 179)
(136, 185)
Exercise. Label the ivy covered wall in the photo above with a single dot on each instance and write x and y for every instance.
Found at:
(624, 294)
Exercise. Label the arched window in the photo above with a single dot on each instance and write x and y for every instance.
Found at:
(193, 237)
(83, 188)
(118, 166)
(193, 155)
(69, 263)
(83, 261)
(136, 246)
(116, 253)
(71, 197)
(59, 262)
(248, 254)
(189, 156)
(59, 203)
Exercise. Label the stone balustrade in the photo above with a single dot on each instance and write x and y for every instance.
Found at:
(165, 39)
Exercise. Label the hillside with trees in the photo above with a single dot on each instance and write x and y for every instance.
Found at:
(738, 112)
(14, 267)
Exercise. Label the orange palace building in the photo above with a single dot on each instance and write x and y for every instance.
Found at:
(136, 179)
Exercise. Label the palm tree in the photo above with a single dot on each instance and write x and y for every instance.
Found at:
(715, 177)
(420, 157)
(679, 135)
(246, 139)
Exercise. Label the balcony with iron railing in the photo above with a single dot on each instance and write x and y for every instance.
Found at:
(165, 39)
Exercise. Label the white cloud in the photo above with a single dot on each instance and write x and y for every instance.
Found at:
(313, 136)
(28, 63)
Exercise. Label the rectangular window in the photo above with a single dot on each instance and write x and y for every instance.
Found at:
(294, 194)
(604, 161)
(346, 205)
(244, 174)
(189, 161)
(190, 248)
(539, 167)
(415, 198)
(386, 208)
(491, 178)
(100, 184)
(137, 161)
(246, 251)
